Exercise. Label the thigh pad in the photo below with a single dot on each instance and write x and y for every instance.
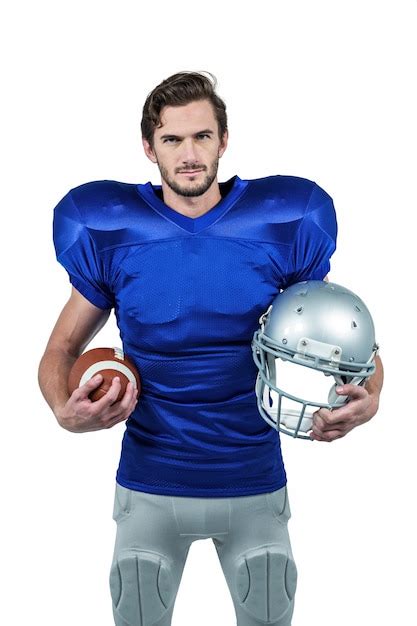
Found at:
(266, 579)
(142, 587)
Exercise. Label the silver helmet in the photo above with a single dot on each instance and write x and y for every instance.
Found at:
(317, 325)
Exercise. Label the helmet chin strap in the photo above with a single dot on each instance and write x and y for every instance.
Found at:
(272, 374)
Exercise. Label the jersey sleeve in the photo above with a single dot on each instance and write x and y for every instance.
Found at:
(75, 250)
(315, 240)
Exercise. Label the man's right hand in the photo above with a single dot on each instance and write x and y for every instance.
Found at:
(81, 415)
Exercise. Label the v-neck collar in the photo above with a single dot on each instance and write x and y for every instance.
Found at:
(194, 224)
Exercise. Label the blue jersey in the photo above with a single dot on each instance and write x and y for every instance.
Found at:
(188, 294)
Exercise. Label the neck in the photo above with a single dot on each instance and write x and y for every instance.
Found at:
(194, 206)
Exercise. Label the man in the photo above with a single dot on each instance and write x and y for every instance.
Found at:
(189, 267)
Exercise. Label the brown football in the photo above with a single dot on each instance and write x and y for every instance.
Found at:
(109, 362)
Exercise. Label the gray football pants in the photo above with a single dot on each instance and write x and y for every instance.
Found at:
(154, 534)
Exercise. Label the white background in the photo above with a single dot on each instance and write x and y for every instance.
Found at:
(323, 90)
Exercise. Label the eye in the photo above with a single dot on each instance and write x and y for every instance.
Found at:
(203, 136)
(170, 140)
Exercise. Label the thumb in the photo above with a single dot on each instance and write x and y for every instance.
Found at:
(353, 391)
(84, 391)
(337, 395)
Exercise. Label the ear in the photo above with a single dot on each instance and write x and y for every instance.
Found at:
(223, 143)
(149, 151)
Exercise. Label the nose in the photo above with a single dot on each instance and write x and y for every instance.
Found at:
(189, 153)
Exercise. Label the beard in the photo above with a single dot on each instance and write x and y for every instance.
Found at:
(190, 191)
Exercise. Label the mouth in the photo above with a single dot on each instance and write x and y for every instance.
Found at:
(191, 172)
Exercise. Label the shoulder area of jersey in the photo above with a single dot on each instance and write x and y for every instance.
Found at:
(282, 182)
(101, 189)
(84, 199)
(289, 191)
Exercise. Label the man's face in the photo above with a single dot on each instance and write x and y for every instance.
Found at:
(187, 148)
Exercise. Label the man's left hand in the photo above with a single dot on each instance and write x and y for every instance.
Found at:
(330, 425)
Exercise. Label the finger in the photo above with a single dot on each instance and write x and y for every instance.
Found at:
(129, 395)
(327, 420)
(122, 409)
(115, 420)
(336, 418)
(109, 398)
(134, 399)
(353, 391)
(84, 391)
(119, 412)
(324, 416)
(330, 416)
(328, 436)
(131, 406)
(316, 437)
(326, 426)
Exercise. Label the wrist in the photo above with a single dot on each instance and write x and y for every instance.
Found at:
(374, 403)
(59, 412)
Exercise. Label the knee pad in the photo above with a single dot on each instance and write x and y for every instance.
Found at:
(266, 579)
(142, 587)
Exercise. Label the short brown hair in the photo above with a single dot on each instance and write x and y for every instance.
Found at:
(178, 90)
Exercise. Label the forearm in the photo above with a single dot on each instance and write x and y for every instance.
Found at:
(375, 382)
(53, 374)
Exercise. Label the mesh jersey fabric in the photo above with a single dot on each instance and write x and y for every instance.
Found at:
(187, 295)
